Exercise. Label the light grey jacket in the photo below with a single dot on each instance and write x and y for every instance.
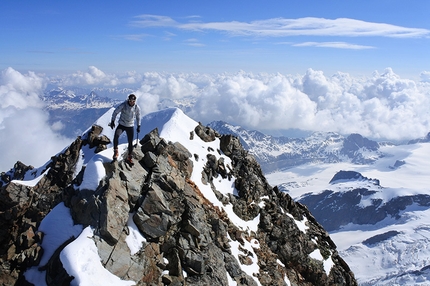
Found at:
(128, 114)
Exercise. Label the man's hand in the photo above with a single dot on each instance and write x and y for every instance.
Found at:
(112, 124)
(138, 128)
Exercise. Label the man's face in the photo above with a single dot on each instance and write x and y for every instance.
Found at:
(131, 101)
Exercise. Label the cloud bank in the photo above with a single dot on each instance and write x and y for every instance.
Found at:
(96, 77)
(381, 106)
(25, 134)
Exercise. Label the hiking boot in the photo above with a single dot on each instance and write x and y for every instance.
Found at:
(129, 160)
(115, 154)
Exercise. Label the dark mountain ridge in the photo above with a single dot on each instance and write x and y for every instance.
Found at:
(189, 240)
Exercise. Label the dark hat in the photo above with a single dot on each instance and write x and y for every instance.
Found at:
(132, 97)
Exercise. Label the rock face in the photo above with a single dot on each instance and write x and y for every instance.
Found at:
(189, 241)
(351, 176)
(22, 208)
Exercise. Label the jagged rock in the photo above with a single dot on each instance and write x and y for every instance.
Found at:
(154, 216)
(22, 208)
(150, 141)
(63, 166)
(114, 209)
(20, 169)
(56, 275)
(95, 140)
(185, 233)
(150, 159)
(16, 173)
(205, 133)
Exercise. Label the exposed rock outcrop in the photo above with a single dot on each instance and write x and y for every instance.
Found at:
(342, 176)
(189, 241)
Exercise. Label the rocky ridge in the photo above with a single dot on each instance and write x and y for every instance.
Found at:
(189, 240)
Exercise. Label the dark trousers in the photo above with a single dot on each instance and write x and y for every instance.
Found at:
(130, 134)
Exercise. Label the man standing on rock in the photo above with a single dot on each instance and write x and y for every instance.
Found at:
(129, 111)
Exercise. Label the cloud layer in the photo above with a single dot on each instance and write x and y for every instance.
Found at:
(381, 106)
(25, 134)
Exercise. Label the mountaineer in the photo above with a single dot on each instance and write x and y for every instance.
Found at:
(129, 112)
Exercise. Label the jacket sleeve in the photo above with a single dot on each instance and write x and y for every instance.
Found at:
(116, 111)
(137, 115)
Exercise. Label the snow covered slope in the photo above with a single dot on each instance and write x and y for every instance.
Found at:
(378, 216)
(80, 258)
(268, 237)
(380, 219)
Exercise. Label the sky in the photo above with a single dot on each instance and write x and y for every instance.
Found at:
(356, 37)
(331, 66)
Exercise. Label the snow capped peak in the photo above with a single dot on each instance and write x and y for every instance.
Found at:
(194, 206)
(170, 122)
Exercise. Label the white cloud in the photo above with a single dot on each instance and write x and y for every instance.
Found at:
(96, 77)
(132, 37)
(382, 106)
(425, 76)
(194, 43)
(281, 27)
(57, 126)
(25, 134)
(169, 85)
(337, 45)
(147, 20)
(93, 76)
(147, 102)
(18, 90)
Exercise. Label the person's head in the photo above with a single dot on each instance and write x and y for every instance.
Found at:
(131, 99)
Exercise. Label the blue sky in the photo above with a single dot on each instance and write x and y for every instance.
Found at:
(264, 65)
(356, 37)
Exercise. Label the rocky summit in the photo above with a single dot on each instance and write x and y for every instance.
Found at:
(200, 204)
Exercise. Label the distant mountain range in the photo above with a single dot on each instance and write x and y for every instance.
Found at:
(277, 153)
(76, 109)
